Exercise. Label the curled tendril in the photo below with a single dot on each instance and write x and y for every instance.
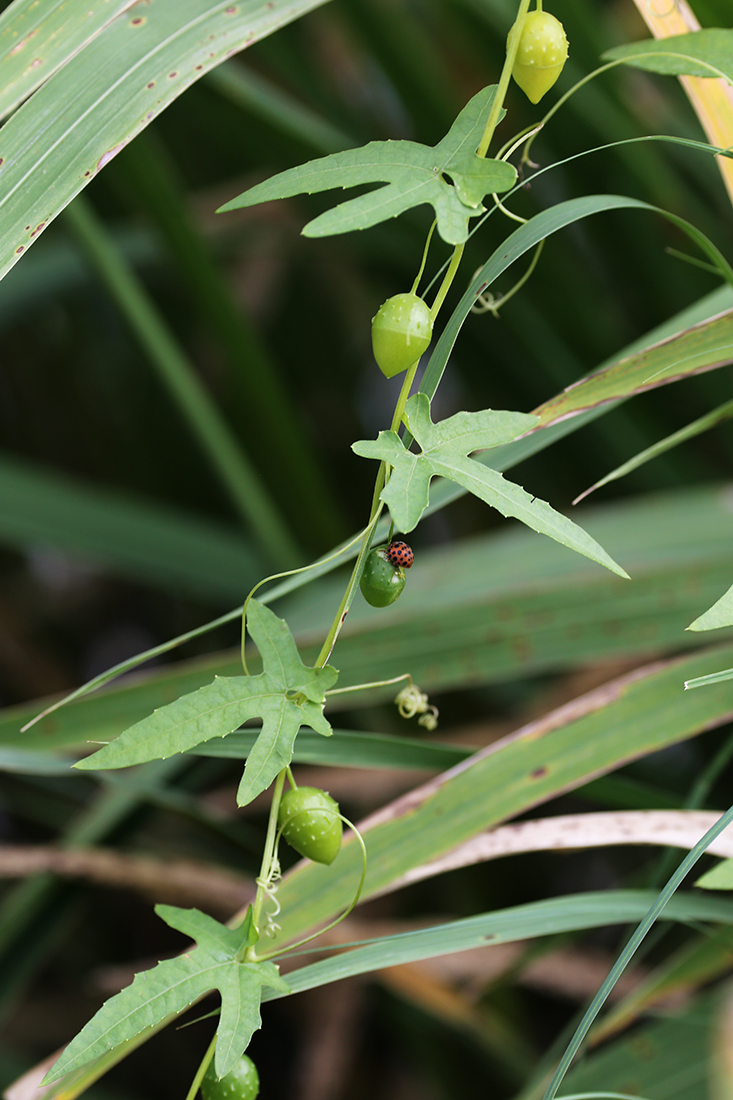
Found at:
(270, 887)
(487, 303)
(411, 701)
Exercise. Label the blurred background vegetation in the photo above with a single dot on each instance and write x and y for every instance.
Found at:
(115, 533)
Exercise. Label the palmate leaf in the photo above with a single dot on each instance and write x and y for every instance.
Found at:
(707, 53)
(285, 695)
(415, 174)
(444, 453)
(174, 984)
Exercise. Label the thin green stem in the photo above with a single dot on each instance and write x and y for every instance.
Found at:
(506, 73)
(447, 280)
(179, 376)
(493, 306)
(348, 596)
(399, 408)
(267, 858)
(377, 506)
(341, 916)
(372, 684)
(419, 275)
(200, 1072)
(279, 576)
(563, 99)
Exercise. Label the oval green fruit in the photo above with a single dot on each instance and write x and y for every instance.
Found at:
(241, 1083)
(401, 331)
(541, 54)
(310, 823)
(381, 582)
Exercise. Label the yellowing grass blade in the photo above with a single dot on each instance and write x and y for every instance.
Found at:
(712, 99)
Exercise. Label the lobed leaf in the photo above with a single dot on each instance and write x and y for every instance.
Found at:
(415, 174)
(174, 984)
(444, 448)
(285, 695)
(241, 987)
(165, 990)
(487, 608)
(206, 931)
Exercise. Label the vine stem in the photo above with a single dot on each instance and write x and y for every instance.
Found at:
(267, 858)
(496, 108)
(446, 284)
(511, 53)
(196, 1083)
(371, 684)
(377, 506)
(342, 916)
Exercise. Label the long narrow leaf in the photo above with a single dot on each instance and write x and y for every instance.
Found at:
(109, 91)
(37, 37)
(132, 537)
(527, 237)
(697, 427)
(542, 918)
(712, 99)
(624, 720)
(479, 612)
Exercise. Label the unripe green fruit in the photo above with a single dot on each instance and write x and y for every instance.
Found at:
(381, 582)
(401, 332)
(241, 1083)
(310, 823)
(541, 54)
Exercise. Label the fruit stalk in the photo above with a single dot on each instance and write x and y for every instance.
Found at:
(506, 73)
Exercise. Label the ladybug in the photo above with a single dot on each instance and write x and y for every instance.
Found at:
(400, 554)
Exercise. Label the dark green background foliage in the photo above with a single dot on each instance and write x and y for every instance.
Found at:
(115, 533)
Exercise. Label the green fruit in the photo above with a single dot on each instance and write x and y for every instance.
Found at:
(241, 1083)
(541, 54)
(381, 582)
(401, 332)
(310, 823)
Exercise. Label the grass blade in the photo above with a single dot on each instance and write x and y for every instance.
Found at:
(238, 476)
